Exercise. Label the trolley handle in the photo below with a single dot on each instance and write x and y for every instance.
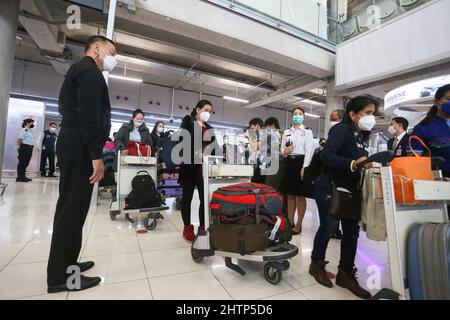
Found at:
(383, 157)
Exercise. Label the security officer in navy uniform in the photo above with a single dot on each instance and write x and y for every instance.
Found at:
(400, 141)
(86, 122)
(48, 151)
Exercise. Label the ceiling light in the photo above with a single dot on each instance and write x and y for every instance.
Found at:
(236, 99)
(113, 76)
(312, 115)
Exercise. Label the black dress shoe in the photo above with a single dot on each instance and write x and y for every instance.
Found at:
(85, 283)
(85, 266)
(21, 180)
(28, 179)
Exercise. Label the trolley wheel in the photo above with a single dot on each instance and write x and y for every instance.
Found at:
(149, 224)
(195, 256)
(272, 274)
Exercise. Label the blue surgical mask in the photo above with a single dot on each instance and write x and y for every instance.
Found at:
(160, 129)
(297, 119)
(138, 124)
(446, 108)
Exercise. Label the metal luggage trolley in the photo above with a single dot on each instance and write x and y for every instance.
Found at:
(127, 168)
(216, 175)
(400, 219)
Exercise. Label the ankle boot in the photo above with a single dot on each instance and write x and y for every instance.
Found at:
(350, 282)
(317, 270)
(188, 233)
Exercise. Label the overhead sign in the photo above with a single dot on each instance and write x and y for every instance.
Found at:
(414, 91)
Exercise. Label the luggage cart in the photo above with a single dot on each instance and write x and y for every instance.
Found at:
(127, 169)
(168, 184)
(400, 219)
(216, 175)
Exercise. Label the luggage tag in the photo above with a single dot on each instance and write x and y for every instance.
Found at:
(275, 229)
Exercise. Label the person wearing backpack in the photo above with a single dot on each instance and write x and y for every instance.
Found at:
(190, 176)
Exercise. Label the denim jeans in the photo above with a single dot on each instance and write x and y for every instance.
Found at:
(328, 225)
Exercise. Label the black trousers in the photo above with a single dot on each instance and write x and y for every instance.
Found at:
(51, 162)
(24, 156)
(188, 193)
(75, 193)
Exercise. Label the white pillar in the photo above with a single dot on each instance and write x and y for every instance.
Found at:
(9, 13)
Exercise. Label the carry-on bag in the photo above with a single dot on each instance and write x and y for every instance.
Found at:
(407, 169)
(428, 261)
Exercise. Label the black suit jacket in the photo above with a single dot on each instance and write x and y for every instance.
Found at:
(402, 147)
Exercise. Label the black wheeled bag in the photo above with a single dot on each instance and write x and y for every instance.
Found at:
(144, 194)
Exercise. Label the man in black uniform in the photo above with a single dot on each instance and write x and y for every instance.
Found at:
(86, 122)
(48, 150)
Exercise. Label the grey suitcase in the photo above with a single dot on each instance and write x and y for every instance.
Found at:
(429, 261)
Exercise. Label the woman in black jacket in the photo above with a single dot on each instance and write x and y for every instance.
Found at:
(135, 130)
(345, 149)
(191, 171)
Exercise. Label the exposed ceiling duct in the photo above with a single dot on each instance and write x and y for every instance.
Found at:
(44, 35)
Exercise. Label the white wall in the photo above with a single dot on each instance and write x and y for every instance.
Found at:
(411, 42)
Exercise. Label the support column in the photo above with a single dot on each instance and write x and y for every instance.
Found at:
(333, 102)
(9, 13)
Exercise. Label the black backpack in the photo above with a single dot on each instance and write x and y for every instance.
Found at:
(144, 194)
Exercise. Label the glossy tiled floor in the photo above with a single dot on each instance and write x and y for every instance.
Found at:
(155, 265)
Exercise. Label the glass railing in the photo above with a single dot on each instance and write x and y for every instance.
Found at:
(370, 14)
(314, 21)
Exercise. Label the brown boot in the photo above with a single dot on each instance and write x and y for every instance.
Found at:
(317, 270)
(348, 281)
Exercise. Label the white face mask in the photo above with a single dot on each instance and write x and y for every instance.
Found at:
(138, 124)
(367, 123)
(160, 129)
(333, 123)
(109, 62)
(204, 116)
(391, 130)
(52, 129)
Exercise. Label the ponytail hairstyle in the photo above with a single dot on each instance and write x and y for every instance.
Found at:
(200, 105)
(440, 93)
(26, 121)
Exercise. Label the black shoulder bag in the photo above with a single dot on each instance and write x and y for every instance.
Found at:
(346, 203)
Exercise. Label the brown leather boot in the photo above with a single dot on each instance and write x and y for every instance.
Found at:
(348, 281)
(317, 270)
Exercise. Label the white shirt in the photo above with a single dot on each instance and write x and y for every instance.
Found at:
(397, 140)
(301, 139)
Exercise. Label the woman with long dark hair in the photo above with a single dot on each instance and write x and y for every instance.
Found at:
(134, 130)
(344, 150)
(191, 176)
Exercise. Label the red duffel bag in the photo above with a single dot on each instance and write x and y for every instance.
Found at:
(244, 198)
(138, 149)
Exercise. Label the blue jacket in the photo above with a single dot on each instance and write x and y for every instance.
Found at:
(344, 145)
(437, 137)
